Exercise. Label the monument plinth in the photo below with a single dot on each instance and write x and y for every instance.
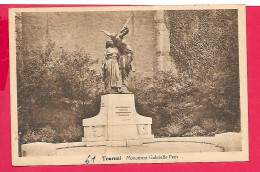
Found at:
(117, 124)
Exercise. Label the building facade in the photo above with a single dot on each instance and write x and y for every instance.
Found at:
(148, 36)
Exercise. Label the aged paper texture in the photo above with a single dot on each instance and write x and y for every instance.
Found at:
(128, 84)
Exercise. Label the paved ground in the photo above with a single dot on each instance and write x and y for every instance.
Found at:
(225, 142)
(159, 147)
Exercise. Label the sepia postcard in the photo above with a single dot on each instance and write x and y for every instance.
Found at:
(128, 84)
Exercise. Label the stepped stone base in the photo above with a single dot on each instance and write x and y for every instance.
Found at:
(117, 124)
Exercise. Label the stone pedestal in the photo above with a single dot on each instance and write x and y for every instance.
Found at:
(117, 124)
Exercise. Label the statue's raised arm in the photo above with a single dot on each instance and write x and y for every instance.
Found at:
(124, 31)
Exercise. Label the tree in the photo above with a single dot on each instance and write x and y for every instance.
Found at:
(56, 89)
(204, 98)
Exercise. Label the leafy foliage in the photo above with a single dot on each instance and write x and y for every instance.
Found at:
(204, 98)
(56, 90)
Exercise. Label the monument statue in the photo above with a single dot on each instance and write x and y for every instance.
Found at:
(125, 58)
(111, 73)
(118, 123)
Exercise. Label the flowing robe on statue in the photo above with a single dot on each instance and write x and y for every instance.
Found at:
(112, 75)
(126, 56)
(124, 50)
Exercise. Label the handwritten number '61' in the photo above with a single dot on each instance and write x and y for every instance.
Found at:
(87, 160)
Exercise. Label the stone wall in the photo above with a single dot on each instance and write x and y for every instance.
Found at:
(70, 30)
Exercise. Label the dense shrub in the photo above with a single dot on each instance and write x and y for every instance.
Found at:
(45, 134)
(56, 90)
(173, 104)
